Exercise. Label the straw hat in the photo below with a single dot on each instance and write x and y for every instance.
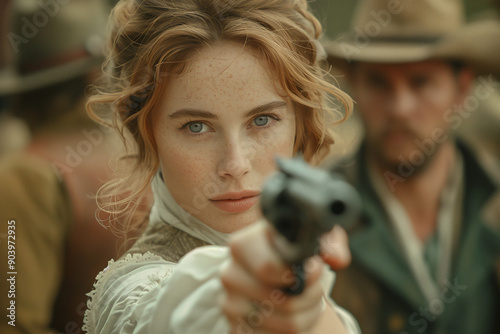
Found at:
(401, 31)
(49, 42)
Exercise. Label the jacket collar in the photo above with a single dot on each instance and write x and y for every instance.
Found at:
(372, 238)
(480, 236)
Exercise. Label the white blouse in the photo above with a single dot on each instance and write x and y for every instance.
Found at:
(143, 293)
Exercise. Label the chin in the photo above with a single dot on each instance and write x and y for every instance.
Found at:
(247, 218)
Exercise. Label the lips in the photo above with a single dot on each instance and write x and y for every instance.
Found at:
(236, 201)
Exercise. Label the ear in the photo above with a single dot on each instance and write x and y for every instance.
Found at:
(465, 79)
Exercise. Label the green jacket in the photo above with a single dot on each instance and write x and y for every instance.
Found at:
(379, 289)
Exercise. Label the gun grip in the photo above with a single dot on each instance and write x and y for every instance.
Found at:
(300, 281)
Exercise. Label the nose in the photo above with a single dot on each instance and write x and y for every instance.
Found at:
(236, 160)
(403, 102)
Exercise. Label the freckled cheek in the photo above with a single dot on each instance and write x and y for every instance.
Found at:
(285, 146)
(183, 164)
(275, 145)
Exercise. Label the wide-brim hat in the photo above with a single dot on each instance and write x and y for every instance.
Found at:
(390, 31)
(49, 42)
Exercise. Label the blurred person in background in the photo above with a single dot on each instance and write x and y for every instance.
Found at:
(51, 50)
(481, 128)
(426, 254)
(13, 132)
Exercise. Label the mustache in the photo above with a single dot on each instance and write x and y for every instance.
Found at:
(407, 129)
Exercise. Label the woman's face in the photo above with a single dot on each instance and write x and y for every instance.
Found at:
(218, 129)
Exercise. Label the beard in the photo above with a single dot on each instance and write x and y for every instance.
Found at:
(402, 150)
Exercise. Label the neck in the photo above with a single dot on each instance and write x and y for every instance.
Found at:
(420, 194)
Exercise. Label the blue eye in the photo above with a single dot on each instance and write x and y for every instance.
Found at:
(261, 120)
(196, 127)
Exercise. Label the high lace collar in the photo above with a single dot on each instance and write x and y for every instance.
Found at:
(166, 209)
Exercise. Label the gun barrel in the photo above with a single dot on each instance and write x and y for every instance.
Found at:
(302, 203)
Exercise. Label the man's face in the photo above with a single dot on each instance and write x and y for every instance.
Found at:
(405, 106)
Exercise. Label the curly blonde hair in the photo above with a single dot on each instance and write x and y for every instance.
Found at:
(153, 39)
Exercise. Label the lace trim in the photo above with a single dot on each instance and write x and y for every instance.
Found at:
(89, 322)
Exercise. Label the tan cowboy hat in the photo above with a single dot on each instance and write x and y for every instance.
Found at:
(51, 41)
(401, 31)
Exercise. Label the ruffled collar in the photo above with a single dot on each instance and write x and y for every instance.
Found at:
(166, 209)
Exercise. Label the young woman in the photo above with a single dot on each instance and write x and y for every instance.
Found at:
(211, 92)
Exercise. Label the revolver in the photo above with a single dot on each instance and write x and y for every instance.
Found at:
(302, 203)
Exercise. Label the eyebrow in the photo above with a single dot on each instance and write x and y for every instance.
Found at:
(188, 112)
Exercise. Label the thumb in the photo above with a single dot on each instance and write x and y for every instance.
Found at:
(335, 248)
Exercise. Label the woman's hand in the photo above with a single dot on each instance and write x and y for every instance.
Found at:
(255, 302)
(335, 248)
